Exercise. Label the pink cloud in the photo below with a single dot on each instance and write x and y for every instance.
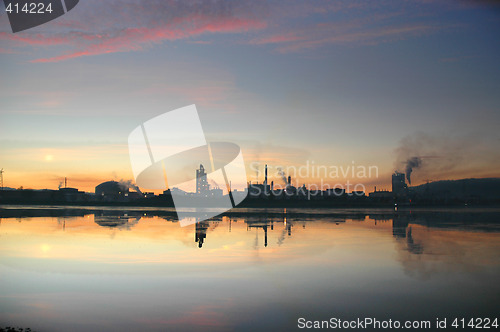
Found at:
(128, 25)
(373, 36)
(131, 26)
(276, 39)
(134, 39)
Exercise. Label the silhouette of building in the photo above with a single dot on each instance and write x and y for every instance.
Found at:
(202, 186)
(112, 191)
(398, 184)
(259, 190)
(335, 192)
(381, 194)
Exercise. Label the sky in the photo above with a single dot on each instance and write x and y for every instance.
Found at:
(338, 84)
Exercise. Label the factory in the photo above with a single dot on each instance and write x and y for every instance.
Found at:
(399, 186)
(264, 194)
(260, 190)
(381, 194)
(202, 186)
(113, 191)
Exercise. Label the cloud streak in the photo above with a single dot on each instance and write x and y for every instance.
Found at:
(361, 31)
(129, 25)
(134, 39)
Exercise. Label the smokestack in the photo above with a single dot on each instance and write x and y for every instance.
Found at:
(65, 182)
(265, 179)
(289, 180)
(126, 184)
(272, 185)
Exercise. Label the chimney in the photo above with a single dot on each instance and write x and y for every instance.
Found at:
(289, 180)
(265, 179)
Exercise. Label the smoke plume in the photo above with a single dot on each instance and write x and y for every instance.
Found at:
(448, 157)
(282, 174)
(126, 184)
(413, 162)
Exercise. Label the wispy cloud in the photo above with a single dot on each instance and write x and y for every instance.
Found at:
(374, 36)
(133, 39)
(360, 29)
(130, 25)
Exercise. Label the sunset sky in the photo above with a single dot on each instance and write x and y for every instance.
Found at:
(341, 83)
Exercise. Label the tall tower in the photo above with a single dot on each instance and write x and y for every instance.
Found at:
(265, 178)
(398, 184)
(1, 179)
(202, 187)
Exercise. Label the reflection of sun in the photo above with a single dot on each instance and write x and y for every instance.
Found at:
(49, 157)
(45, 248)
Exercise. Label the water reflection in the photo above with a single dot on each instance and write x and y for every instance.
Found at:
(273, 264)
(201, 232)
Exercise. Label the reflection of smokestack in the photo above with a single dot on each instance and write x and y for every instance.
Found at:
(414, 162)
(289, 180)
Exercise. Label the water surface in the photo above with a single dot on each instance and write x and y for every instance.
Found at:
(101, 269)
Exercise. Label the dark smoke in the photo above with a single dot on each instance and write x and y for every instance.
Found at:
(282, 174)
(413, 162)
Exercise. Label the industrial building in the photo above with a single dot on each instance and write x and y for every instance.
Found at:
(113, 191)
(202, 186)
(399, 187)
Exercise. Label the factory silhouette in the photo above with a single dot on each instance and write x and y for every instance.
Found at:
(265, 194)
(267, 223)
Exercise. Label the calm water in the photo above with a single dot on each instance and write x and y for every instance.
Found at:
(100, 270)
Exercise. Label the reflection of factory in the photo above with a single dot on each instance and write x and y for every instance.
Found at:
(113, 220)
(260, 222)
(201, 232)
(402, 230)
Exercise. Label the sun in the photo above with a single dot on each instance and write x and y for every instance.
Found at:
(49, 157)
